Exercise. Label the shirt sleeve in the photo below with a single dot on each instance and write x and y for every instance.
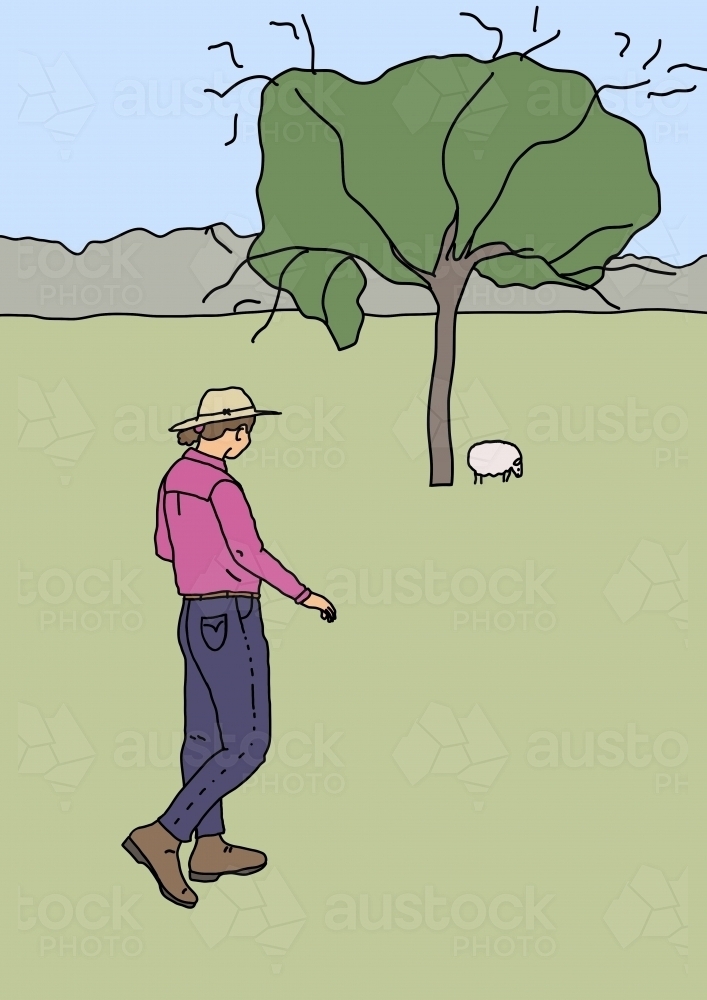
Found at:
(245, 545)
(163, 545)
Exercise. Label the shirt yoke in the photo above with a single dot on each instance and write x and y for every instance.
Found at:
(196, 479)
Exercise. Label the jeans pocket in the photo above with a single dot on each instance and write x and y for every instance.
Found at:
(213, 631)
(241, 607)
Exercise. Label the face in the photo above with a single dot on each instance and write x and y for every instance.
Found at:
(518, 467)
(237, 442)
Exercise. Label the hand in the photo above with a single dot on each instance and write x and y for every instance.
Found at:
(326, 609)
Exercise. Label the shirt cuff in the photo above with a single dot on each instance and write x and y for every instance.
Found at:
(303, 596)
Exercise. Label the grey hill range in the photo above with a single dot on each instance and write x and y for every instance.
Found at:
(186, 272)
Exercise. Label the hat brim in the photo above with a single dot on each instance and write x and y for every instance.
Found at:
(187, 425)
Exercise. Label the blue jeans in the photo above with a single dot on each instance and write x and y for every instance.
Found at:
(226, 709)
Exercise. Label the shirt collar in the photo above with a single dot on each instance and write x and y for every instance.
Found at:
(199, 456)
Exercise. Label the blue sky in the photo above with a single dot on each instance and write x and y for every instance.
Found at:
(105, 126)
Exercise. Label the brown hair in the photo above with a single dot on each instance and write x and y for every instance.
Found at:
(214, 430)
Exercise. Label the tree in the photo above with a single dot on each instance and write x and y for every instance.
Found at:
(440, 166)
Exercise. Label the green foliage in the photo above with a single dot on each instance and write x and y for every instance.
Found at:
(595, 181)
(376, 172)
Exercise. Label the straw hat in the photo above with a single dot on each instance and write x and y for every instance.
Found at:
(222, 404)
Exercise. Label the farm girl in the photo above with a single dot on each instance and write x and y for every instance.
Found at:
(205, 529)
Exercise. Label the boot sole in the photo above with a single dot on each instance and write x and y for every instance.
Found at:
(136, 854)
(215, 876)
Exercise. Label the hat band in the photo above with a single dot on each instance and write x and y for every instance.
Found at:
(227, 412)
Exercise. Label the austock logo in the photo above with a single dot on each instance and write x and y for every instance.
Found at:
(53, 747)
(262, 909)
(277, 610)
(441, 744)
(411, 911)
(473, 415)
(650, 580)
(93, 912)
(55, 97)
(650, 906)
(53, 422)
(435, 92)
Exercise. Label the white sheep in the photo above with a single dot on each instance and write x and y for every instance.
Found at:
(495, 458)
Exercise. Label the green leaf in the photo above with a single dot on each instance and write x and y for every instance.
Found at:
(394, 130)
(327, 286)
(522, 104)
(527, 270)
(301, 191)
(272, 266)
(577, 202)
(344, 315)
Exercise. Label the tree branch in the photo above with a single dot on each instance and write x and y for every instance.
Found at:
(406, 263)
(450, 234)
(448, 267)
(490, 250)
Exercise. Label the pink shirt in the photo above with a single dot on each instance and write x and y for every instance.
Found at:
(205, 528)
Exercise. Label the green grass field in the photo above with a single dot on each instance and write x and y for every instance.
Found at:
(474, 858)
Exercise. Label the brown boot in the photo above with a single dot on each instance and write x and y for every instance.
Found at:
(213, 857)
(156, 848)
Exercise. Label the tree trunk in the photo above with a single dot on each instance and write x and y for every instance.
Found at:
(447, 286)
(439, 432)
